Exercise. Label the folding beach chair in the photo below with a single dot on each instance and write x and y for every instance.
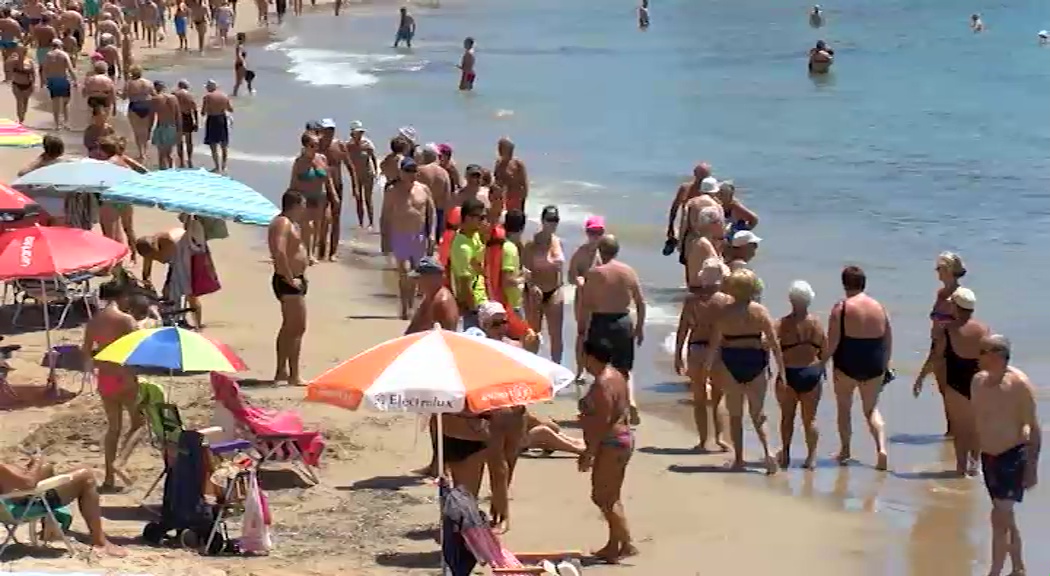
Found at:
(467, 539)
(166, 427)
(277, 436)
(59, 293)
(25, 507)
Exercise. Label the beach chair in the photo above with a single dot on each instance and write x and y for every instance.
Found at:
(59, 292)
(278, 436)
(467, 539)
(165, 424)
(25, 507)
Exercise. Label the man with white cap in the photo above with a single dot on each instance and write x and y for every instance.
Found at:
(707, 198)
(335, 153)
(362, 155)
(434, 177)
(959, 343)
(685, 192)
(743, 247)
(695, 325)
(1044, 36)
(816, 16)
(1010, 438)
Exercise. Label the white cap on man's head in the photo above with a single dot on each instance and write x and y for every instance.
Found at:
(1044, 34)
(356, 126)
(327, 124)
(709, 185)
(745, 237)
(964, 298)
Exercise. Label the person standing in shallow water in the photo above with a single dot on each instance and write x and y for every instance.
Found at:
(1010, 439)
(466, 66)
(802, 341)
(406, 28)
(860, 344)
(604, 417)
(509, 174)
(950, 270)
(643, 15)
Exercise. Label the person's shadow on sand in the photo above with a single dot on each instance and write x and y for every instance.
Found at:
(384, 483)
(430, 559)
(749, 468)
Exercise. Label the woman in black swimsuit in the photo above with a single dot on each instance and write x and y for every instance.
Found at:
(803, 341)
(241, 73)
(465, 441)
(742, 337)
(22, 72)
(545, 260)
(950, 270)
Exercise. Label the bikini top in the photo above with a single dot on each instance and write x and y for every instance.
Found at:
(313, 173)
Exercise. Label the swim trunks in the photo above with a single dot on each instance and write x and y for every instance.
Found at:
(404, 35)
(8, 44)
(180, 25)
(165, 135)
(1004, 473)
(59, 87)
(189, 123)
(618, 331)
(41, 53)
(141, 108)
(408, 246)
(216, 129)
(282, 287)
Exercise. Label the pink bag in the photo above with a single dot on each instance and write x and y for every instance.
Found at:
(203, 278)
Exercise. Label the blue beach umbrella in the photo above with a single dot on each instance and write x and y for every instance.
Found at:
(195, 192)
(85, 175)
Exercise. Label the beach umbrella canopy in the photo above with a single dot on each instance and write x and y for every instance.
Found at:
(49, 251)
(14, 204)
(171, 348)
(84, 175)
(195, 192)
(14, 135)
(440, 371)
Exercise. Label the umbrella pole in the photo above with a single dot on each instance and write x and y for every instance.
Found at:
(441, 478)
(52, 384)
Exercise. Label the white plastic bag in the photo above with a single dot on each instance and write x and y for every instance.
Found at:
(255, 533)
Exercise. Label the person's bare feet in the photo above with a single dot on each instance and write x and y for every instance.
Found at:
(280, 377)
(843, 457)
(784, 459)
(429, 471)
(110, 549)
(771, 466)
(627, 550)
(811, 462)
(736, 465)
(610, 554)
(723, 446)
(701, 447)
(882, 461)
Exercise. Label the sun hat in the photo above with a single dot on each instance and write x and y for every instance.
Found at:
(1043, 34)
(709, 185)
(356, 126)
(745, 237)
(327, 124)
(964, 298)
(407, 132)
(594, 222)
(489, 310)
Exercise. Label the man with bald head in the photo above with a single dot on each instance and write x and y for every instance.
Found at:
(604, 313)
(510, 176)
(686, 191)
(433, 176)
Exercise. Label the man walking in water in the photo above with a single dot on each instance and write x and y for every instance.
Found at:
(215, 106)
(466, 65)
(860, 343)
(362, 155)
(406, 29)
(607, 293)
(167, 130)
(1010, 439)
(289, 284)
(188, 123)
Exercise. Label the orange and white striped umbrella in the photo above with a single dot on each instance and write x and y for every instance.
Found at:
(440, 371)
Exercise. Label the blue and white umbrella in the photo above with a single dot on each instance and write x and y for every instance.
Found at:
(195, 192)
(84, 175)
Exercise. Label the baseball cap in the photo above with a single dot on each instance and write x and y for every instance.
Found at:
(550, 214)
(56, 43)
(594, 223)
(445, 149)
(709, 185)
(408, 163)
(313, 124)
(1043, 33)
(472, 169)
(964, 298)
(427, 265)
(356, 126)
(745, 237)
(327, 124)
(489, 310)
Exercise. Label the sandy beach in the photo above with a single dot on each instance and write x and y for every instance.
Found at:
(369, 515)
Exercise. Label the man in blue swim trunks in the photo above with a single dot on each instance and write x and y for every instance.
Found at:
(59, 77)
(406, 29)
(10, 32)
(1009, 438)
(167, 130)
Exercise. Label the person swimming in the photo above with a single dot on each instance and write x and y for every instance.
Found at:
(976, 24)
(816, 16)
(820, 58)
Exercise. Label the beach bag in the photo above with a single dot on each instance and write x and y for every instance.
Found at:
(214, 228)
(255, 532)
(203, 278)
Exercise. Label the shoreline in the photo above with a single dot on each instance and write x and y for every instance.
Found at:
(363, 510)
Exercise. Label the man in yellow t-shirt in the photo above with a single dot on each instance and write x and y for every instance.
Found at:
(466, 259)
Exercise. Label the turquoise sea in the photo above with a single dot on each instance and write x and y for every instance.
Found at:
(925, 137)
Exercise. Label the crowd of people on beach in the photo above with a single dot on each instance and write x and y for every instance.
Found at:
(457, 242)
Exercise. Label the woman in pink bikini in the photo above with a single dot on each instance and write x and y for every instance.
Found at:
(116, 384)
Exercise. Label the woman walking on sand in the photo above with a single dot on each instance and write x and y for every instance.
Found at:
(21, 70)
(310, 177)
(742, 338)
(545, 260)
(802, 340)
(604, 417)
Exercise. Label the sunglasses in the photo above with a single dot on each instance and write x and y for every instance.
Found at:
(596, 232)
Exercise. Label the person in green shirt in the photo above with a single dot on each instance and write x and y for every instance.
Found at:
(466, 259)
(513, 277)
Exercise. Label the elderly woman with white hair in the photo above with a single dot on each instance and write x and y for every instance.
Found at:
(695, 324)
(802, 340)
(742, 337)
(706, 230)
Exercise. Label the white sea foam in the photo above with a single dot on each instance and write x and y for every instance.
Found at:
(320, 67)
(249, 157)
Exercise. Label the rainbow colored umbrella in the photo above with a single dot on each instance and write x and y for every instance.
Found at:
(14, 135)
(173, 349)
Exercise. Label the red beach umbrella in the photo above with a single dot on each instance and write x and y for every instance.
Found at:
(18, 210)
(46, 252)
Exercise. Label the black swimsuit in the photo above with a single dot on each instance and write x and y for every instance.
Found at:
(861, 359)
(806, 378)
(744, 364)
(958, 371)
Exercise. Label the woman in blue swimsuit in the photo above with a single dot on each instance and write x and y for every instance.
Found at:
(742, 338)
(802, 340)
(310, 176)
